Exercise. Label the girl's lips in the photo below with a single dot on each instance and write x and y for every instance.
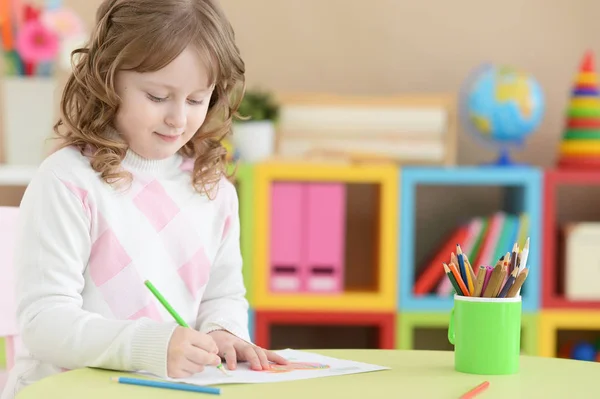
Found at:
(166, 138)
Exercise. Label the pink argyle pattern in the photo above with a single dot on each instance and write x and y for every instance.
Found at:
(195, 273)
(150, 311)
(107, 258)
(126, 294)
(181, 240)
(154, 202)
(82, 195)
(226, 227)
(118, 277)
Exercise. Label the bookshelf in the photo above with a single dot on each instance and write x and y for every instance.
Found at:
(16, 175)
(434, 331)
(369, 241)
(384, 312)
(338, 329)
(243, 182)
(521, 189)
(583, 323)
(252, 324)
(555, 180)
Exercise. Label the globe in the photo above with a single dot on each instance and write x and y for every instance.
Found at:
(501, 106)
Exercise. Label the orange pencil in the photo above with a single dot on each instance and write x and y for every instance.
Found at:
(459, 279)
(475, 391)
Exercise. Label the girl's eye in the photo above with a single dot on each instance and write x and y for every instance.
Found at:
(155, 99)
(195, 102)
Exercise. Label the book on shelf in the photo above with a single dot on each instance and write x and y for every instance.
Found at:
(484, 239)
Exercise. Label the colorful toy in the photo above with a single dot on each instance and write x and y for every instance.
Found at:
(580, 350)
(580, 146)
(583, 351)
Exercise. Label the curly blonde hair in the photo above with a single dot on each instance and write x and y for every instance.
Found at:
(146, 35)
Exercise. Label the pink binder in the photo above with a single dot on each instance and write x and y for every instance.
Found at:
(323, 269)
(287, 203)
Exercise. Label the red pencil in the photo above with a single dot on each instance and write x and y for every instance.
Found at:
(478, 389)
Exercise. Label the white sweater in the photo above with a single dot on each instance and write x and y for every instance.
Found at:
(85, 249)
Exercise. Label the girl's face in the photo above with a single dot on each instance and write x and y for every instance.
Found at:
(161, 111)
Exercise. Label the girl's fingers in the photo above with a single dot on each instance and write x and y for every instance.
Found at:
(230, 356)
(252, 357)
(262, 356)
(274, 357)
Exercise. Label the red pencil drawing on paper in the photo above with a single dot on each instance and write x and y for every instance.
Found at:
(286, 368)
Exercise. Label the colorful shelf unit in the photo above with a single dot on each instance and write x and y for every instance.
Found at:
(552, 294)
(383, 323)
(552, 321)
(300, 253)
(522, 188)
(251, 324)
(408, 322)
(245, 188)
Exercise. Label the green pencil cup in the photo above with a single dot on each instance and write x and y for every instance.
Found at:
(486, 334)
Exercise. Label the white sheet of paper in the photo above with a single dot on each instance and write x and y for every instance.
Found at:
(312, 366)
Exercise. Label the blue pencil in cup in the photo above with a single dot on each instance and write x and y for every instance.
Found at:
(166, 385)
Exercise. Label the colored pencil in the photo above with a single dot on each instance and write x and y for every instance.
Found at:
(468, 265)
(470, 270)
(461, 270)
(501, 280)
(165, 303)
(493, 283)
(167, 385)
(513, 258)
(452, 279)
(500, 261)
(173, 313)
(459, 280)
(516, 287)
(488, 274)
(508, 284)
(498, 281)
(524, 255)
(480, 280)
(476, 391)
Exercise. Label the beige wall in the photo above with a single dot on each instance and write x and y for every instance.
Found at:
(395, 46)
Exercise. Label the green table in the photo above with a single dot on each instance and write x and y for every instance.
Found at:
(414, 374)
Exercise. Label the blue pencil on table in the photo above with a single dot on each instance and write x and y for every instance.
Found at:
(167, 385)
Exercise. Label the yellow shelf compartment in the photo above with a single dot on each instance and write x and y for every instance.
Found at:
(380, 298)
(408, 322)
(551, 321)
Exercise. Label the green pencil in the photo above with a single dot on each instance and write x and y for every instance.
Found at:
(166, 304)
(172, 311)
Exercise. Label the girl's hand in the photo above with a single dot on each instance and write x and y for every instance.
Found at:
(234, 349)
(189, 351)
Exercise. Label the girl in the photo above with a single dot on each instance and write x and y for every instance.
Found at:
(138, 192)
